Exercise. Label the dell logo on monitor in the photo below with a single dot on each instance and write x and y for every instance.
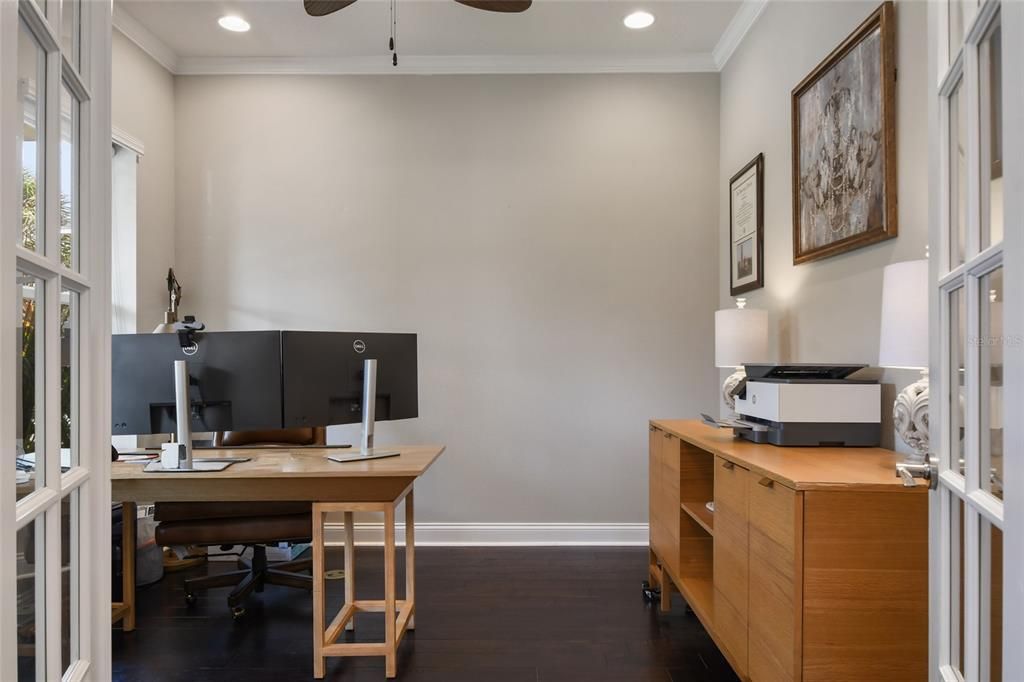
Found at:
(190, 349)
(359, 346)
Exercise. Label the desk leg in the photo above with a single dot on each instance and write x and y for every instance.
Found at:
(350, 566)
(318, 592)
(129, 515)
(390, 662)
(410, 560)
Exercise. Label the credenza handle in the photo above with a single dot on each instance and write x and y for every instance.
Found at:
(652, 429)
(767, 482)
(728, 465)
(668, 435)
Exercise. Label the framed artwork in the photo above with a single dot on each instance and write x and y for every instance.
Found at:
(844, 145)
(746, 228)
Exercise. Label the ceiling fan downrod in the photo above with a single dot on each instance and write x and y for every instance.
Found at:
(394, 28)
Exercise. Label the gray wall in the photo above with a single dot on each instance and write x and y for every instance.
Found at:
(828, 310)
(142, 102)
(550, 238)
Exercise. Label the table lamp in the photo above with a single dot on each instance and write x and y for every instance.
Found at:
(904, 345)
(741, 336)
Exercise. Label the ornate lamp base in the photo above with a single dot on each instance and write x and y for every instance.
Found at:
(910, 414)
(730, 385)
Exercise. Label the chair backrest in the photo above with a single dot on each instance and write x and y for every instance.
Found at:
(315, 435)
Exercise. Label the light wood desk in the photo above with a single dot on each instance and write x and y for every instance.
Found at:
(304, 475)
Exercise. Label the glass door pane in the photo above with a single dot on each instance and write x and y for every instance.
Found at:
(30, 138)
(69, 376)
(31, 605)
(990, 63)
(69, 577)
(957, 398)
(960, 14)
(991, 368)
(69, 115)
(31, 468)
(70, 30)
(956, 592)
(992, 602)
(957, 176)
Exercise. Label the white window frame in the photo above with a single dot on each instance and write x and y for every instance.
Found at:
(950, 64)
(90, 82)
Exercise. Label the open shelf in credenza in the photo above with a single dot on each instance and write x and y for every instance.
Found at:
(699, 512)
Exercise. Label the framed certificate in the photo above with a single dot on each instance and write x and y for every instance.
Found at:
(746, 228)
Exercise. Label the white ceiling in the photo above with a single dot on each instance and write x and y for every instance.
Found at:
(436, 35)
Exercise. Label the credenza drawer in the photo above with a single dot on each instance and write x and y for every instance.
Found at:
(772, 510)
(731, 627)
(774, 605)
(664, 503)
(731, 534)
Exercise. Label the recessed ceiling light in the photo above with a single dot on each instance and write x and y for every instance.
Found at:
(233, 23)
(638, 20)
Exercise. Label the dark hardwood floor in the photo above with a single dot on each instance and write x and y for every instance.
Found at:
(483, 615)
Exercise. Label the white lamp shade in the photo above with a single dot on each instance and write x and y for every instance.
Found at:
(904, 335)
(741, 336)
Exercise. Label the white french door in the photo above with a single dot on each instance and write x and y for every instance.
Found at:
(977, 271)
(54, 354)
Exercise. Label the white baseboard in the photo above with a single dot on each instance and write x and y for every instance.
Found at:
(501, 534)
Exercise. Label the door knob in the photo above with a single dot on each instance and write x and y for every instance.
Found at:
(911, 471)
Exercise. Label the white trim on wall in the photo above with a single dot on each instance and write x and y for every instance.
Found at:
(736, 31)
(134, 31)
(127, 140)
(693, 62)
(470, 64)
(501, 534)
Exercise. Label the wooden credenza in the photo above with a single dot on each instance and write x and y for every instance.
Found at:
(813, 565)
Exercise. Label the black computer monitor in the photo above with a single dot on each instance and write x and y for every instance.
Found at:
(235, 381)
(323, 376)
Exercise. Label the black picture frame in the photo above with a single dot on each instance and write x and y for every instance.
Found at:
(746, 249)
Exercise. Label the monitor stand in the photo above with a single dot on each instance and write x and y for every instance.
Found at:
(183, 419)
(366, 450)
(199, 464)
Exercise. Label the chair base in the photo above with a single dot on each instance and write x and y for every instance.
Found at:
(256, 574)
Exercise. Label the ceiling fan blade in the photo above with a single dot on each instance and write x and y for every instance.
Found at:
(505, 6)
(320, 8)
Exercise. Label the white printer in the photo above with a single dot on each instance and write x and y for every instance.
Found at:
(809, 405)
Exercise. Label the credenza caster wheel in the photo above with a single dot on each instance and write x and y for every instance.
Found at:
(190, 598)
(650, 594)
(237, 612)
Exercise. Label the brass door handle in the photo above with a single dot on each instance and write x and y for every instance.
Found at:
(668, 435)
(728, 465)
(766, 482)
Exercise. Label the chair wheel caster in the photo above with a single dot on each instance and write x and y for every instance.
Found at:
(650, 594)
(190, 598)
(237, 612)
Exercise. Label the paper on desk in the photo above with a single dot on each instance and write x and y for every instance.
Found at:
(730, 423)
(137, 456)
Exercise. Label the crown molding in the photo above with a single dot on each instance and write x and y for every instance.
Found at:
(439, 65)
(128, 141)
(734, 33)
(134, 31)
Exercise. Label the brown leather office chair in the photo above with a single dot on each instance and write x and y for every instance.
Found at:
(253, 524)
